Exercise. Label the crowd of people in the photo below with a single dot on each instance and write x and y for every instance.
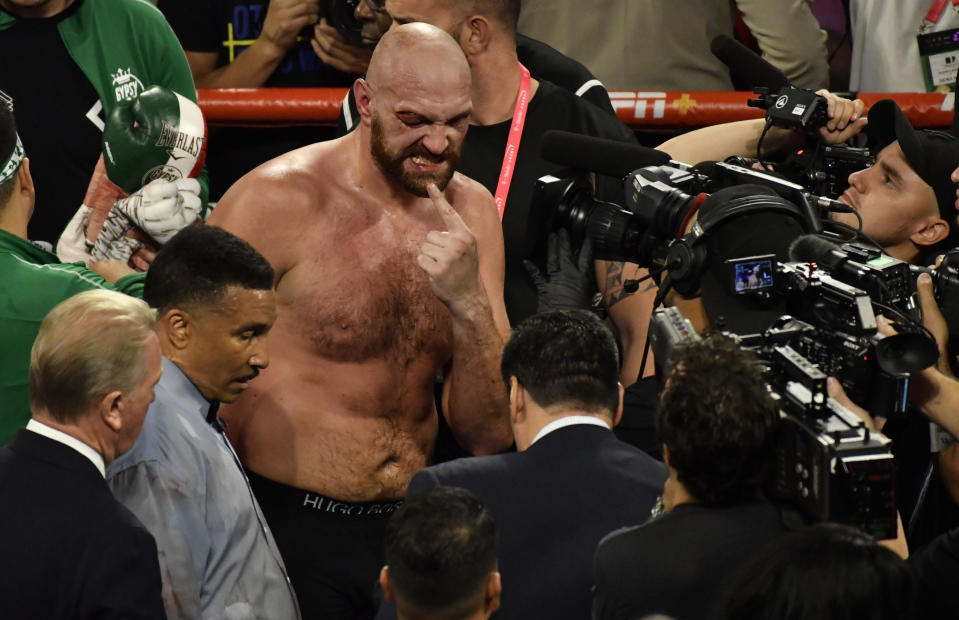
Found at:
(275, 373)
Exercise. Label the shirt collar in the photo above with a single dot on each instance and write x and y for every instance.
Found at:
(51, 433)
(177, 382)
(569, 420)
(23, 248)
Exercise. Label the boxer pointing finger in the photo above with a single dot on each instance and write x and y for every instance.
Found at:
(449, 257)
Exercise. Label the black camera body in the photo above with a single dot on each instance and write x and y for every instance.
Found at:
(340, 15)
(945, 281)
(657, 203)
(827, 464)
(832, 324)
(823, 169)
(792, 108)
(890, 281)
(826, 171)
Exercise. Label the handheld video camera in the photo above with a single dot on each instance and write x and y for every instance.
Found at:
(827, 463)
(822, 168)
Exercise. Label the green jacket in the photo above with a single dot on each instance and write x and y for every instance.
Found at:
(124, 47)
(32, 282)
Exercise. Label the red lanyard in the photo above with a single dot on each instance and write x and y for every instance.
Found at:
(935, 12)
(512, 144)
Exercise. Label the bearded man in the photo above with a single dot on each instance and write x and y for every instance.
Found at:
(389, 268)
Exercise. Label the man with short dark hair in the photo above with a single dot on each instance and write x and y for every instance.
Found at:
(571, 481)
(716, 422)
(214, 296)
(70, 550)
(441, 557)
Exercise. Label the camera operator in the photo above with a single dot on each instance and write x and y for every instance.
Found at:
(936, 392)
(715, 420)
(906, 199)
(907, 202)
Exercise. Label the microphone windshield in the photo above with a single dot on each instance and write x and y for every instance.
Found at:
(747, 68)
(600, 155)
(813, 249)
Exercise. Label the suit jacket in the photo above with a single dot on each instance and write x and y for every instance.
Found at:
(68, 549)
(681, 564)
(553, 503)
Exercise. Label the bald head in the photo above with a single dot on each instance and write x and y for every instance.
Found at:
(415, 106)
(417, 55)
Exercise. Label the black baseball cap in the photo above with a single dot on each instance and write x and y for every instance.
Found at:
(932, 154)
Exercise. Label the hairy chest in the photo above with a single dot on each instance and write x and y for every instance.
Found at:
(359, 294)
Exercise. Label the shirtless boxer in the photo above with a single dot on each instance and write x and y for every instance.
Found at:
(389, 268)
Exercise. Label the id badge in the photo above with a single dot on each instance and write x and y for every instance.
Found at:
(939, 438)
(939, 56)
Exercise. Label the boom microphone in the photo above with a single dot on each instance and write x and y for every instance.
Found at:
(825, 253)
(887, 281)
(815, 249)
(747, 68)
(600, 155)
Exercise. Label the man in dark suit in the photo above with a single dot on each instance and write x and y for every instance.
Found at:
(69, 550)
(571, 481)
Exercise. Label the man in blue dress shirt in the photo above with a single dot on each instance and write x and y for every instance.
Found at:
(214, 297)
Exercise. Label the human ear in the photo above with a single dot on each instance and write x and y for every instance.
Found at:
(931, 233)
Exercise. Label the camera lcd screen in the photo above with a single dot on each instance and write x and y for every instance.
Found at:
(753, 273)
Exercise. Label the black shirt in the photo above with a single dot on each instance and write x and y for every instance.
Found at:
(526, 225)
(59, 118)
(681, 563)
(228, 27)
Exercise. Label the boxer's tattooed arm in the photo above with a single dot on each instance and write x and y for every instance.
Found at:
(614, 291)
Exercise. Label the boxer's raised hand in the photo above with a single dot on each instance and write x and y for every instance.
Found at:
(450, 257)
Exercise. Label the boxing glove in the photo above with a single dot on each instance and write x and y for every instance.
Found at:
(162, 208)
(158, 135)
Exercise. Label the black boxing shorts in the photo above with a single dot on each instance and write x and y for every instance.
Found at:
(333, 550)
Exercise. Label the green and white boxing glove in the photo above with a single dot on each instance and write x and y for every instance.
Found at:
(162, 208)
(158, 135)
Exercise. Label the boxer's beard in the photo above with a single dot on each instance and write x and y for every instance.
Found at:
(392, 163)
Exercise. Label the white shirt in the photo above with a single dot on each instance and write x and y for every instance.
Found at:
(51, 433)
(569, 420)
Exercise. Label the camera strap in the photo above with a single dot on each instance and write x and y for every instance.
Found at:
(512, 142)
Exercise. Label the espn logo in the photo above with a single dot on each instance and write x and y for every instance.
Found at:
(641, 104)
